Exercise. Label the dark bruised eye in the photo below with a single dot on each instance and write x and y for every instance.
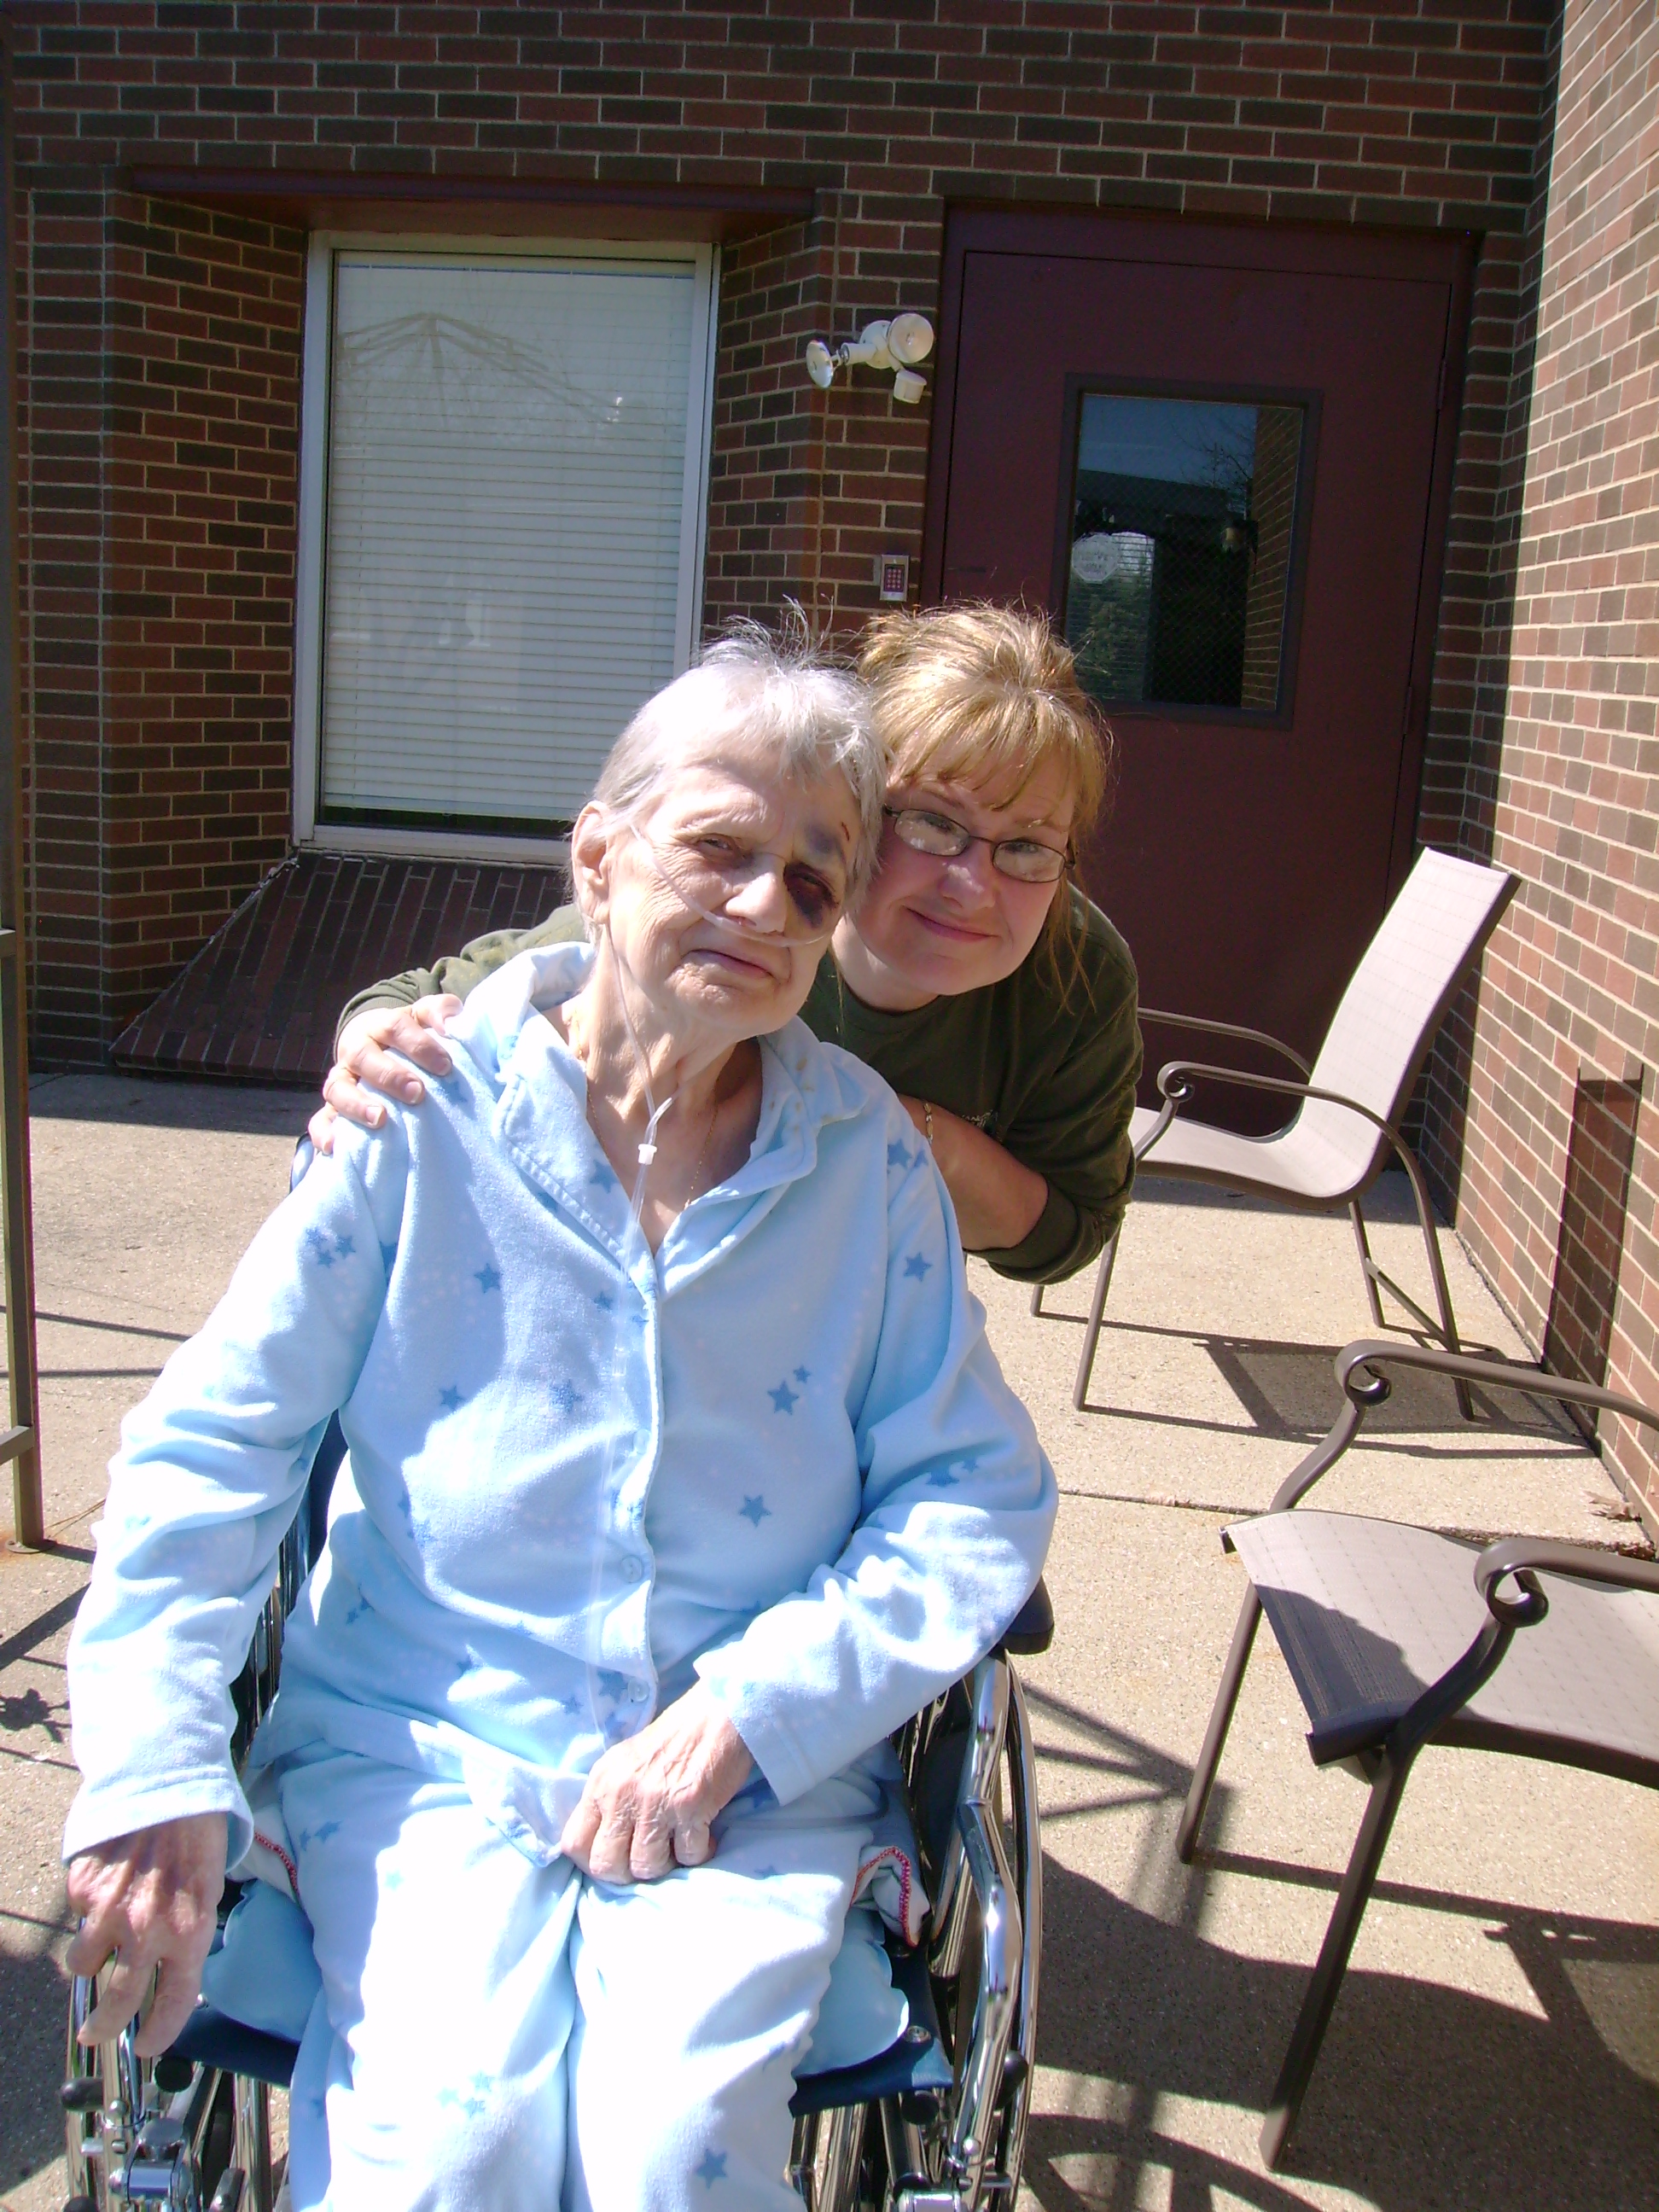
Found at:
(815, 900)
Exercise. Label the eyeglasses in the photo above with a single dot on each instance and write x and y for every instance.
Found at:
(1025, 858)
(707, 871)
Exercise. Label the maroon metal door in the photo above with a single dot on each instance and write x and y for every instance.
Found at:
(1250, 855)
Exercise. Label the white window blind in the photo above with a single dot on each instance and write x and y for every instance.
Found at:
(505, 575)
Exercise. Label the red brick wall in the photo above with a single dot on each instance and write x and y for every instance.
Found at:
(198, 637)
(766, 457)
(1367, 112)
(1569, 999)
(60, 486)
(1459, 797)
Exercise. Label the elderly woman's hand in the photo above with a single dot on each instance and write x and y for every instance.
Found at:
(151, 1898)
(649, 1801)
(365, 1064)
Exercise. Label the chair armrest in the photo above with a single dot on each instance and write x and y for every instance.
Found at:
(1519, 1560)
(1226, 1028)
(1372, 1353)
(1363, 1385)
(1175, 1080)
(1523, 1555)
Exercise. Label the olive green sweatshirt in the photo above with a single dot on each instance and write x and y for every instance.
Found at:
(1050, 1073)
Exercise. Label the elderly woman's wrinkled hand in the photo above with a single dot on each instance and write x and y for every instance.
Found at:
(366, 1066)
(152, 1900)
(649, 1801)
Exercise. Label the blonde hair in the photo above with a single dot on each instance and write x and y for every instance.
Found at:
(989, 696)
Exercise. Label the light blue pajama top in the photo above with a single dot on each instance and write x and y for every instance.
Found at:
(779, 1455)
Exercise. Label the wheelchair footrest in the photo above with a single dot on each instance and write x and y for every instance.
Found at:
(915, 2063)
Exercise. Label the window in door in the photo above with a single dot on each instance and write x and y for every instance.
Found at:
(501, 530)
(1179, 587)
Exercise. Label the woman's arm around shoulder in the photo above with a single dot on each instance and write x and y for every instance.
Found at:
(458, 974)
(402, 1020)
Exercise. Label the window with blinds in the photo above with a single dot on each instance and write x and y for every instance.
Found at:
(509, 526)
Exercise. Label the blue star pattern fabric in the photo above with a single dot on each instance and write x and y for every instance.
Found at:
(519, 2023)
(865, 1589)
(488, 1637)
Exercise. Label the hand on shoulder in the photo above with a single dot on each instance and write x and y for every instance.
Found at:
(365, 1064)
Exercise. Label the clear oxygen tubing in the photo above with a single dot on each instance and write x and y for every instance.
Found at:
(625, 1322)
(736, 925)
(627, 1329)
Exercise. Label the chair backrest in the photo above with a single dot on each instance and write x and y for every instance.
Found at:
(1398, 995)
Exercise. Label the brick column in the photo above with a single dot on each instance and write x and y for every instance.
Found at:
(1560, 1197)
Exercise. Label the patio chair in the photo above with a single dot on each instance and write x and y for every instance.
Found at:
(1345, 1128)
(1396, 1637)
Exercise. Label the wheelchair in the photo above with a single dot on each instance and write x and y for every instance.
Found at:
(934, 2123)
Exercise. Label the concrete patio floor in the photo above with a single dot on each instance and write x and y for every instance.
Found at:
(1497, 2042)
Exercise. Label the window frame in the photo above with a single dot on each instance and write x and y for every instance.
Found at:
(1079, 384)
(311, 553)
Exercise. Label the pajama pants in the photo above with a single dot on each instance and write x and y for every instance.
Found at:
(497, 2036)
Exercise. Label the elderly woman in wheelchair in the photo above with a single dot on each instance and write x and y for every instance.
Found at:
(681, 1487)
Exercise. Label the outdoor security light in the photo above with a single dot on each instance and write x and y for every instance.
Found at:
(896, 346)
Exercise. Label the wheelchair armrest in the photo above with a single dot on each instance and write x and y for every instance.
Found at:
(1032, 1630)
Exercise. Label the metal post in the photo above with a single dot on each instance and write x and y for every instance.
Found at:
(20, 1442)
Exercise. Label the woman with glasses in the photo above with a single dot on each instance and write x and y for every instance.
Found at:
(680, 1474)
(975, 975)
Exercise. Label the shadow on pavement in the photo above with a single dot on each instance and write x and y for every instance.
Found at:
(1287, 1392)
(33, 2005)
(238, 1109)
(1425, 2096)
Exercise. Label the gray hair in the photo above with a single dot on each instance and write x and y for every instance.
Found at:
(779, 693)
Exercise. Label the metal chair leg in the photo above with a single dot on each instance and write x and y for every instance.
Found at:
(1092, 1334)
(1367, 1264)
(1437, 1276)
(1294, 2074)
(1037, 1288)
(1215, 1736)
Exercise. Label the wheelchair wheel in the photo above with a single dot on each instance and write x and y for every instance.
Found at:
(166, 2131)
(970, 1769)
